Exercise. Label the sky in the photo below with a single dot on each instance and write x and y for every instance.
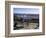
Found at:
(26, 10)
